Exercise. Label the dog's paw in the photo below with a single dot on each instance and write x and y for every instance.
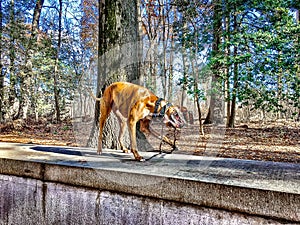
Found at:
(142, 160)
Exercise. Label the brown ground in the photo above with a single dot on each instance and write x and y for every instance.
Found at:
(276, 141)
(268, 142)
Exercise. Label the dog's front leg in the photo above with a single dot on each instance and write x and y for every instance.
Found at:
(132, 134)
(163, 138)
(145, 128)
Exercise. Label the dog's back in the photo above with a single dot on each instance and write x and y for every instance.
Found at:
(123, 96)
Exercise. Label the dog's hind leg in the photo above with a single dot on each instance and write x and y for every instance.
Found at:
(122, 123)
(104, 112)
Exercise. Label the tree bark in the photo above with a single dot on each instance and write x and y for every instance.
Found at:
(12, 76)
(27, 73)
(235, 79)
(227, 67)
(196, 81)
(56, 66)
(184, 63)
(164, 15)
(215, 101)
(298, 67)
(234, 92)
(171, 57)
(1, 71)
(197, 100)
(118, 27)
(183, 90)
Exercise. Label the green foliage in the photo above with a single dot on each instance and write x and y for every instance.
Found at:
(18, 46)
(190, 84)
(272, 69)
(260, 45)
(257, 48)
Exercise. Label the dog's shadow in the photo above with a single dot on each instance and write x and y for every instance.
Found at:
(122, 157)
(58, 150)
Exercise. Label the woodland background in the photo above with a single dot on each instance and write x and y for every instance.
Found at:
(244, 55)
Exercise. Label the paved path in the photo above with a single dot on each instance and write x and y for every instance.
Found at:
(282, 177)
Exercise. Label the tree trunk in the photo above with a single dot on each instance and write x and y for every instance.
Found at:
(196, 81)
(12, 56)
(184, 63)
(164, 15)
(183, 90)
(171, 76)
(56, 66)
(139, 22)
(27, 73)
(117, 43)
(234, 91)
(171, 58)
(279, 89)
(150, 25)
(214, 115)
(235, 79)
(1, 71)
(298, 67)
(227, 67)
(196, 88)
(201, 130)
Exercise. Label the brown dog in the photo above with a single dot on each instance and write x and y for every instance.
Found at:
(133, 103)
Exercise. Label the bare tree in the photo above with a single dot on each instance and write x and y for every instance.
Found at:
(1, 66)
(27, 73)
(217, 27)
(56, 65)
(235, 80)
(12, 79)
(298, 67)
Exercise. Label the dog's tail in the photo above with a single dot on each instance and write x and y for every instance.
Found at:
(93, 96)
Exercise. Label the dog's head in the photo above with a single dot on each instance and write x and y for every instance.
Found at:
(173, 117)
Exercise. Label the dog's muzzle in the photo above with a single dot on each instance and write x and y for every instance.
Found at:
(171, 115)
(175, 120)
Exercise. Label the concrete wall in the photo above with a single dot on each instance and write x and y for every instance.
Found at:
(57, 185)
(30, 201)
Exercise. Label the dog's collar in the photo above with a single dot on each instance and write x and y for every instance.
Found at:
(163, 110)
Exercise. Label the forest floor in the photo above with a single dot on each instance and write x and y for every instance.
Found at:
(273, 141)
